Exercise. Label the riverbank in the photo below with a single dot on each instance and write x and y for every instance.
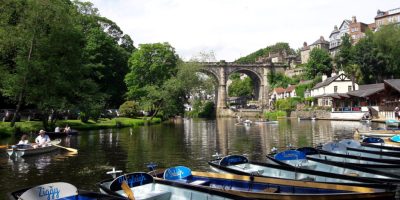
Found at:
(34, 126)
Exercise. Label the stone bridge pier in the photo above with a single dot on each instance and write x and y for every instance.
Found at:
(257, 72)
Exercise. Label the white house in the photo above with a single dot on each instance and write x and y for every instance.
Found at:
(282, 93)
(335, 86)
(336, 36)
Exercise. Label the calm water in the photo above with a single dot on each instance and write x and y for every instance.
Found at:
(185, 142)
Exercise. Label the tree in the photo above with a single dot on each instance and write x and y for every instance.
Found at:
(41, 51)
(240, 87)
(151, 65)
(319, 63)
(387, 43)
(159, 81)
(346, 61)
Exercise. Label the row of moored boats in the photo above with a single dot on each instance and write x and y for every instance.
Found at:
(337, 170)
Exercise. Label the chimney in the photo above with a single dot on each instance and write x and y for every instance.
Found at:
(353, 19)
(305, 44)
(321, 38)
(335, 28)
(324, 77)
(333, 74)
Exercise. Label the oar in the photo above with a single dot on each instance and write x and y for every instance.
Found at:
(127, 190)
(67, 148)
(3, 146)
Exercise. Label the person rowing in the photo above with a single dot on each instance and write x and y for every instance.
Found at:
(42, 140)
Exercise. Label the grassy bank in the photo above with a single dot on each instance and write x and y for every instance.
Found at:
(34, 126)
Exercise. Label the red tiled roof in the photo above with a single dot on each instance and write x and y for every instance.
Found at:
(279, 90)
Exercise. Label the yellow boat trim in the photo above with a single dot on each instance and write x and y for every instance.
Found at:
(308, 184)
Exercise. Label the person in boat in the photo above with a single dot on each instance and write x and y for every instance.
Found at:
(42, 139)
(396, 113)
(67, 129)
(57, 129)
(24, 142)
(24, 139)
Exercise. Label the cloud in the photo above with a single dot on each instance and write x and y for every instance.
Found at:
(234, 28)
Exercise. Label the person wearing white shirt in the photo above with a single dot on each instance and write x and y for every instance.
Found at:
(24, 139)
(42, 139)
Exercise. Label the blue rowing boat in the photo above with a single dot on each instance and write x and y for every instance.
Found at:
(299, 159)
(256, 187)
(141, 185)
(238, 164)
(58, 190)
(385, 165)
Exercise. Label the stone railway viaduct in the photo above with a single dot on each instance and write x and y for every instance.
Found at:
(257, 72)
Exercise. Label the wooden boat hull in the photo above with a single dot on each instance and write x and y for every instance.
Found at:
(377, 133)
(86, 195)
(293, 173)
(155, 189)
(336, 167)
(267, 188)
(18, 152)
(387, 165)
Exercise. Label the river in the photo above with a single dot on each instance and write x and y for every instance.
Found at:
(189, 142)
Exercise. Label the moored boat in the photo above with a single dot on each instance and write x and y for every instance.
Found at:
(266, 122)
(28, 150)
(238, 164)
(376, 133)
(143, 186)
(392, 123)
(58, 190)
(263, 188)
(351, 147)
(298, 159)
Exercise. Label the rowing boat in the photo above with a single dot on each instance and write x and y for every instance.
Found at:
(29, 150)
(298, 159)
(377, 133)
(351, 147)
(144, 187)
(58, 190)
(260, 187)
(240, 165)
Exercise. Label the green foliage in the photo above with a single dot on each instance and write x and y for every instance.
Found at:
(319, 63)
(151, 65)
(251, 58)
(274, 115)
(129, 109)
(241, 87)
(288, 104)
(278, 79)
(202, 109)
(301, 88)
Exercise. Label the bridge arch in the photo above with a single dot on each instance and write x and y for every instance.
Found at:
(257, 72)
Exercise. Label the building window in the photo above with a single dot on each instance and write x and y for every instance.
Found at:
(335, 89)
(350, 88)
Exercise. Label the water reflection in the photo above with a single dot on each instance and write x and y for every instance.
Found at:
(190, 142)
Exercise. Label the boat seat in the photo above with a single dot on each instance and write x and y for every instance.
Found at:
(152, 195)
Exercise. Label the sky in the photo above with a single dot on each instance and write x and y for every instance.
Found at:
(234, 28)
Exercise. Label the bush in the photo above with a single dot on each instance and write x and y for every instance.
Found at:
(274, 115)
(129, 109)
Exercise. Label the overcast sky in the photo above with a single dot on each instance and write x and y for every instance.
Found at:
(234, 28)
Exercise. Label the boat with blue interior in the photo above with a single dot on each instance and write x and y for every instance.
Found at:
(299, 159)
(238, 164)
(386, 165)
(257, 187)
(143, 186)
(58, 190)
